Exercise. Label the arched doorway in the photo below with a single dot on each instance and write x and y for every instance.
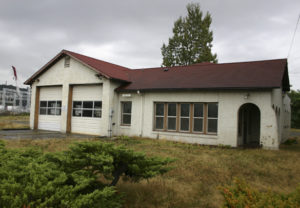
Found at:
(249, 125)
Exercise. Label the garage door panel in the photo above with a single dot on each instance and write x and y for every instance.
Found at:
(50, 93)
(51, 123)
(89, 92)
(86, 125)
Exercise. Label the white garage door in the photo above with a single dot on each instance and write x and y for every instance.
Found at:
(50, 108)
(87, 109)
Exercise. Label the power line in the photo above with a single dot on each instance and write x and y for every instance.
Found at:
(291, 46)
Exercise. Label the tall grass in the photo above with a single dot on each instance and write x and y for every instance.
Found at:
(199, 171)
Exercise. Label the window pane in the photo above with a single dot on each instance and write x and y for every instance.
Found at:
(87, 104)
(52, 104)
(98, 104)
(159, 122)
(172, 109)
(212, 110)
(87, 113)
(77, 113)
(212, 125)
(51, 111)
(171, 123)
(198, 110)
(126, 107)
(58, 104)
(126, 119)
(77, 104)
(43, 111)
(198, 124)
(58, 111)
(97, 113)
(185, 109)
(184, 124)
(43, 104)
(159, 109)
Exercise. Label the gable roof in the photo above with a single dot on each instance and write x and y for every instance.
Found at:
(264, 74)
(106, 69)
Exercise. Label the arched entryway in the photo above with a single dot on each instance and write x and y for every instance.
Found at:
(249, 125)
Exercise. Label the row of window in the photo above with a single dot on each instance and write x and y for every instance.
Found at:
(87, 109)
(180, 117)
(52, 107)
(186, 117)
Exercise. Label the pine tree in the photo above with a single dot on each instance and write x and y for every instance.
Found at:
(192, 40)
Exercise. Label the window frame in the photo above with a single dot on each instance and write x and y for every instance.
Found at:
(211, 118)
(191, 117)
(122, 113)
(82, 109)
(56, 108)
(167, 119)
(198, 117)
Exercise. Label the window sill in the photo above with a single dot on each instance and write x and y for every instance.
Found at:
(187, 134)
(125, 126)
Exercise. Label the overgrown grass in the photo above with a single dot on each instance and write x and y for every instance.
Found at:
(14, 122)
(199, 171)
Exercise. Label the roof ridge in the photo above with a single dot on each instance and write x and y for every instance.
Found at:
(211, 64)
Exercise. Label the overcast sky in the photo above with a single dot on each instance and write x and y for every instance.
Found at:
(130, 33)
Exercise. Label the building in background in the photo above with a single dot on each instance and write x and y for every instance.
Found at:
(11, 101)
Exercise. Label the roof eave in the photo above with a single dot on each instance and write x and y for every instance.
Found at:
(196, 89)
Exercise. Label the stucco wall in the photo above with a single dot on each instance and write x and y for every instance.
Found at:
(229, 104)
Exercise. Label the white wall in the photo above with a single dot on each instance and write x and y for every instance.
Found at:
(229, 104)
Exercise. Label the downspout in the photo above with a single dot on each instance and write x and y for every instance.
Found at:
(111, 112)
(142, 122)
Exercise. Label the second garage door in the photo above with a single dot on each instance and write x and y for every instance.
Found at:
(87, 109)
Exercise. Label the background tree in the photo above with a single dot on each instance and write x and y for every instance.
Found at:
(192, 40)
(295, 109)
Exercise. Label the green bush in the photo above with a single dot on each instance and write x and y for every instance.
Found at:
(240, 195)
(83, 176)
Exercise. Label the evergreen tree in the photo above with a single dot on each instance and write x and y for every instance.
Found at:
(192, 40)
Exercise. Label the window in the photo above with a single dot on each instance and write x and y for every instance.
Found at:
(186, 117)
(172, 115)
(67, 61)
(212, 117)
(198, 117)
(159, 116)
(87, 109)
(50, 108)
(126, 113)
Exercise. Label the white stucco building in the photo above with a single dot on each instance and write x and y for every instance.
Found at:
(232, 104)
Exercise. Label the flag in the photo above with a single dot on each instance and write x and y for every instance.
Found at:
(15, 72)
(16, 79)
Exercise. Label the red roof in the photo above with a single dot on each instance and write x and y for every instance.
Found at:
(242, 75)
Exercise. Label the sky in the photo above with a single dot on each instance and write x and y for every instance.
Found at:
(130, 33)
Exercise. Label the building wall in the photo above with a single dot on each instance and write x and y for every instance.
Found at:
(229, 104)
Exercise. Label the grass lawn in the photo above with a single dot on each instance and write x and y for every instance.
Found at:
(14, 122)
(199, 171)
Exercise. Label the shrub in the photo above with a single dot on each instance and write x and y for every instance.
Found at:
(240, 194)
(72, 178)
